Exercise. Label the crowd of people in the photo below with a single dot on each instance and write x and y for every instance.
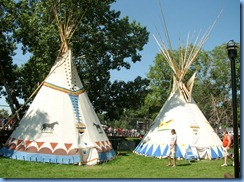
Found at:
(107, 129)
(10, 126)
(122, 132)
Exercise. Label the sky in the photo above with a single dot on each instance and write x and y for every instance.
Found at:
(182, 17)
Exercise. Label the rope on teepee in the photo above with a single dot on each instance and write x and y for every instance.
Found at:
(28, 99)
(17, 112)
(66, 29)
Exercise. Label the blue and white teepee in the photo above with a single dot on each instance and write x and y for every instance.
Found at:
(180, 112)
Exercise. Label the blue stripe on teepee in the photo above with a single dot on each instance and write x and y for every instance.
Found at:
(141, 147)
(143, 151)
(106, 156)
(150, 151)
(51, 158)
(138, 148)
(157, 152)
(213, 153)
(178, 152)
(219, 152)
(165, 150)
(74, 101)
(37, 157)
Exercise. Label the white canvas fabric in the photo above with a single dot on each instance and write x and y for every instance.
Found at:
(60, 125)
(180, 112)
(192, 129)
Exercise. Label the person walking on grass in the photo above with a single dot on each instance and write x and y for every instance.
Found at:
(227, 145)
(172, 152)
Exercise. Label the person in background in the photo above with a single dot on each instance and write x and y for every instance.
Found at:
(172, 152)
(227, 143)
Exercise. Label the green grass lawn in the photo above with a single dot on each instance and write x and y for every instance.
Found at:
(126, 165)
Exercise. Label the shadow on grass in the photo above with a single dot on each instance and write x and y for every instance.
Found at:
(181, 165)
(121, 153)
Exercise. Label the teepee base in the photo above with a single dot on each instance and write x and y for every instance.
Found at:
(57, 159)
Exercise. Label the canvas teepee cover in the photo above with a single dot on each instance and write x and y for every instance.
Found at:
(60, 125)
(180, 112)
(192, 128)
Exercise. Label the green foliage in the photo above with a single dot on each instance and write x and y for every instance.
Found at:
(212, 86)
(160, 76)
(126, 165)
(8, 71)
(123, 96)
(3, 114)
(101, 43)
(104, 41)
(216, 87)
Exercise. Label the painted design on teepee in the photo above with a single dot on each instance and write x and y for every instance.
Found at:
(80, 127)
(165, 125)
(104, 146)
(98, 127)
(108, 145)
(68, 145)
(74, 101)
(48, 127)
(19, 142)
(53, 145)
(27, 143)
(52, 129)
(61, 89)
(39, 144)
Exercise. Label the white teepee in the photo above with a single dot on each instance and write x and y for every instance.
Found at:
(60, 125)
(180, 112)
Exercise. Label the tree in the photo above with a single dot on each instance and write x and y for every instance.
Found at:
(3, 114)
(8, 71)
(100, 43)
(124, 96)
(217, 82)
(160, 85)
(212, 86)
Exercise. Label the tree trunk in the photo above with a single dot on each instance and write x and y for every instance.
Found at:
(12, 100)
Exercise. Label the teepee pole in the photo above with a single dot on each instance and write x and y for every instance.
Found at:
(187, 55)
(29, 98)
(165, 28)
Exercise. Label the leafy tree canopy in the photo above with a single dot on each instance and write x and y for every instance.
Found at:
(100, 43)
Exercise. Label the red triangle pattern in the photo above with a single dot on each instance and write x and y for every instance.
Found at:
(98, 143)
(104, 149)
(12, 140)
(53, 145)
(109, 148)
(104, 146)
(68, 145)
(19, 141)
(27, 143)
(39, 144)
